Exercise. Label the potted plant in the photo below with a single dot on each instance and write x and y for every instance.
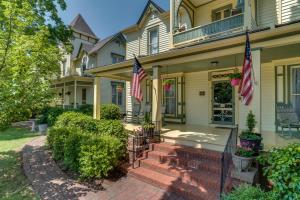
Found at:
(148, 127)
(167, 84)
(243, 158)
(235, 78)
(42, 123)
(249, 138)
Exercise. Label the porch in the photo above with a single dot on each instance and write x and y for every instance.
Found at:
(196, 136)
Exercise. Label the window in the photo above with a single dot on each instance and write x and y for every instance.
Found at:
(170, 96)
(295, 88)
(117, 93)
(83, 96)
(221, 13)
(153, 41)
(64, 67)
(117, 58)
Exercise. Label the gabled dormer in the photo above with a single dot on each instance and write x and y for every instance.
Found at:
(150, 35)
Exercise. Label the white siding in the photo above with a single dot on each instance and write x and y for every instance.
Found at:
(290, 10)
(197, 107)
(137, 42)
(266, 13)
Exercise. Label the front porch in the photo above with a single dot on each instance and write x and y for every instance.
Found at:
(196, 136)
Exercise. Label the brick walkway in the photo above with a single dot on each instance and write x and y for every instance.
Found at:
(51, 183)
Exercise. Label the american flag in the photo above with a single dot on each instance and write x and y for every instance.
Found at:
(138, 75)
(246, 86)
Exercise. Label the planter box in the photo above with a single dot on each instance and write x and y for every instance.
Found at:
(242, 163)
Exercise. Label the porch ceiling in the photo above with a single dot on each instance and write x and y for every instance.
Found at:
(199, 2)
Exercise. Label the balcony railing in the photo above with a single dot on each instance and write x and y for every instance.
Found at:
(213, 29)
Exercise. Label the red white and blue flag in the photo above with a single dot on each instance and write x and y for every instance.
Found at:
(246, 86)
(138, 75)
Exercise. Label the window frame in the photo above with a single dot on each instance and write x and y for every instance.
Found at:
(120, 58)
(173, 97)
(116, 94)
(149, 44)
(222, 11)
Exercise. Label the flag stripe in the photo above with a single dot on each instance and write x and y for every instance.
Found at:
(138, 75)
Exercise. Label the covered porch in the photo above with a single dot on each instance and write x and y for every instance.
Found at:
(195, 110)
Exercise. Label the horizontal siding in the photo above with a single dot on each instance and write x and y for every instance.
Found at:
(266, 13)
(132, 44)
(197, 109)
(290, 10)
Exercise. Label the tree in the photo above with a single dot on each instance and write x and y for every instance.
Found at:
(32, 39)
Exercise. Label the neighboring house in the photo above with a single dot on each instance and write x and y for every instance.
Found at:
(74, 87)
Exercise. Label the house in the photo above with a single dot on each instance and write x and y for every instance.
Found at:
(203, 44)
(75, 87)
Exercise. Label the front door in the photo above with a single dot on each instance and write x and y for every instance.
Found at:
(222, 103)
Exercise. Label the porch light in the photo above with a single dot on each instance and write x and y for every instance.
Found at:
(214, 63)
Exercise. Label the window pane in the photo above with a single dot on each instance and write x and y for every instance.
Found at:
(296, 89)
(171, 106)
(153, 41)
(170, 96)
(226, 13)
(114, 94)
(120, 97)
(218, 16)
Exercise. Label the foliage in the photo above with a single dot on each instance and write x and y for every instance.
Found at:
(85, 109)
(251, 123)
(168, 81)
(56, 141)
(30, 33)
(282, 168)
(110, 112)
(245, 152)
(52, 114)
(113, 127)
(13, 183)
(235, 75)
(77, 120)
(99, 155)
(249, 192)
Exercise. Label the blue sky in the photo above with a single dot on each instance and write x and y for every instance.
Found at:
(106, 17)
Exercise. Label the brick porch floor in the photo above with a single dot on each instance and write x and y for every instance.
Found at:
(50, 182)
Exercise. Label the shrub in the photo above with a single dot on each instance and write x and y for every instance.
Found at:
(250, 193)
(52, 114)
(56, 141)
(282, 168)
(112, 127)
(99, 155)
(110, 112)
(86, 109)
(77, 120)
(72, 147)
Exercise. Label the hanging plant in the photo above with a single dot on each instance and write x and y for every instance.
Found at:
(120, 88)
(68, 93)
(167, 84)
(235, 78)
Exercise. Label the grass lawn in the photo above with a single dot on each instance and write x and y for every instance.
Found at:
(13, 183)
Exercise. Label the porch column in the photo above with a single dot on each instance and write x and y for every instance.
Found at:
(75, 94)
(97, 97)
(256, 101)
(64, 96)
(156, 95)
(247, 14)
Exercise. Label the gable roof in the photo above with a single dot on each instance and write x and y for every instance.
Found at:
(83, 46)
(79, 25)
(148, 5)
(103, 42)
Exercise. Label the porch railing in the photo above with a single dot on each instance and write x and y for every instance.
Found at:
(142, 140)
(212, 29)
(229, 150)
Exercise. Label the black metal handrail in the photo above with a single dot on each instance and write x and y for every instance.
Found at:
(229, 150)
(142, 139)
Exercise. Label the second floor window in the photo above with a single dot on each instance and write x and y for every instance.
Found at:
(153, 41)
(221, 13)
(64, 68)
(117, 58)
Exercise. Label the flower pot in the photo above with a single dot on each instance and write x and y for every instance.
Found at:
(235, 81)
(250, 143)
(43, 128)
(242, 163)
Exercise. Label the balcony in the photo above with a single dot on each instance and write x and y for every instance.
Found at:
(215, 29)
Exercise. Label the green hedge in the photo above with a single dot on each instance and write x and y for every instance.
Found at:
(110, 112)
(88, 146)
(99, 155)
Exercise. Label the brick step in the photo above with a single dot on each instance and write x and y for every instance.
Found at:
(187, 152)
(193, 177)
(173, 160)
(173, 184)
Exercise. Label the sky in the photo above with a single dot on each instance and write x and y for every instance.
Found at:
(106, 17)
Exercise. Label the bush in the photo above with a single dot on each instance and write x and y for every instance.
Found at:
(250, 193)
(85, 109)
(282, 168)
(72, 147)
(77, 120)
(110, 112)
(112, 127)
(52, 114)
(99, 155)
(56, 141)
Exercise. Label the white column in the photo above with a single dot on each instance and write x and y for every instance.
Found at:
(256, 101)
(156, 95)
(64, 96)
(75, 94)
(97, 97)
(247, 14)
